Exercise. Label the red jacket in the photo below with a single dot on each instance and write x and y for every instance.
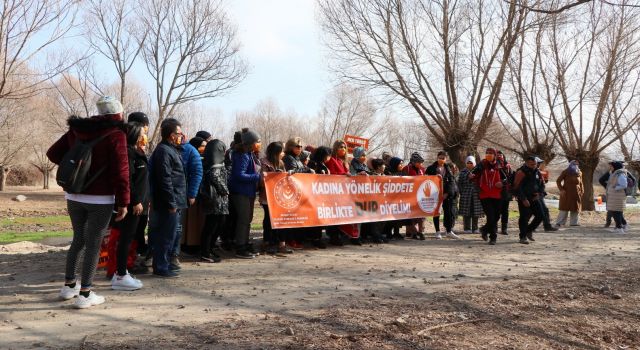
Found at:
(111, 151)
(412, 170)
(337, 167)
(487, 175)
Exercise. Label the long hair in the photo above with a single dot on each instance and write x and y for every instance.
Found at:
(273, 154)
(334, 153)
(134, 130)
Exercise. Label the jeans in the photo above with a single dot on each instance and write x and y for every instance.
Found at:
(491, 207)
(175, 246)
(618, 218)
(163, 226)
(534, 210)
(610, 216)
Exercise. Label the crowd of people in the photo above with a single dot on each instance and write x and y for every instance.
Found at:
(119, 185)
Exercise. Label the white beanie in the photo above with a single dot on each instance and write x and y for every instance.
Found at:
(109, 105)
(471, 159)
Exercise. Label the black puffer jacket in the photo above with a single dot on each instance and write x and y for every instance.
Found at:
(168, 183)
(449, 185)
(214, 192)
(138, 177)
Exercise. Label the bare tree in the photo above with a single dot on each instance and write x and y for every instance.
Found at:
(111, 26)
(190, 50)
(591, 82)
(77, 89)
(445, 59)
(28, 28)
(16, 117)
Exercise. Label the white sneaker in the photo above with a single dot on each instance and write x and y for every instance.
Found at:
(125, 282)
(67, 293)
(438, 235)
(86, 302)
(450, 234)
(618, 231)
(626, 227)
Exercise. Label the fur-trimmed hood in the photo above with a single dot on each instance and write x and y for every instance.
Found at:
(94, 126)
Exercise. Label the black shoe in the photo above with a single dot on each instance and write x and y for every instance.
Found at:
(174, 267)
(356, 241)
(385, 240)
(419, 236)
(166, 274)
(485, 236)
(243, 254)
(550, 229)
(318, 243)
(523, 241)
(504, 232)
(227, 246)
(397, 236)
(492, 242)
(530, 236)
(252, 250)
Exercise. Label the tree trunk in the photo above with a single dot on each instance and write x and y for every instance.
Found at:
(45, 183)
(4, 172)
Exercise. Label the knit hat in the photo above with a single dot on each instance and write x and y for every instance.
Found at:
(138, 117)
(109, 105)
(250, 137)
(237, 137)
(203, 135)
(490, 151)
(416, 158)
(471, 159)
(359, 152)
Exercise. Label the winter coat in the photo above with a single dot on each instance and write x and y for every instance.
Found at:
(214, 192)
(112, 152)
(470, 204)
(571, 191)
(487, 176)
(138, 177)
(356, 167)
(449, 185)
(412, 170)
(507, 173)
(528, 184)
(337, 167)
(616, 196)
(166, 177)
(294, 164)
(192, 165)
(244, 174)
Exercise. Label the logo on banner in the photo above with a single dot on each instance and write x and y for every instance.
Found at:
(428, 196)
(287, 193)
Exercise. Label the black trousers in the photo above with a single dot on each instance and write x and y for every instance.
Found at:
(618, 218)
(128, 227)
(546, 220)
(269, 234)
(504, 213)
(534, 210)
(140, 232)
(211, 230)
(491, 207)
(610, 216)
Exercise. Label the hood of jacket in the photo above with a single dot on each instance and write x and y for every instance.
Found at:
(87, 128)
(214, 153)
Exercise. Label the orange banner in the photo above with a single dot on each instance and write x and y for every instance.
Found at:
(355, 141)
(304, 200)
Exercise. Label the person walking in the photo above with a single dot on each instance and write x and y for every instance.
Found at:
(490, 180)
(470, 207)
(528, 187)
(138, 180)
(169, 196)
(571, 190)
(214, 199)
(243, 185)
(616, 195)
(449, 191)
(90, 209)
(507, 172)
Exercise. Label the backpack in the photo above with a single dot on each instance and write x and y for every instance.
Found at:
(631, 185)
(73, 171)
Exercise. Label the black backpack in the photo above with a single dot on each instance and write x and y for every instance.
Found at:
(73, 171)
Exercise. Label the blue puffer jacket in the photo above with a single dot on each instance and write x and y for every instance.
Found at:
(192, 165)
(244, 177)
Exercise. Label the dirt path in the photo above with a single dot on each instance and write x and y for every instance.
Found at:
(575, 289)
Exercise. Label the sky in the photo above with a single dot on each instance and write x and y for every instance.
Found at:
(281, 41)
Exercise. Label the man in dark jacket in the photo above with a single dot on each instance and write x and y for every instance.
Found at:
(527, 185)
(169, 195)
(450, 190)
(90, 211)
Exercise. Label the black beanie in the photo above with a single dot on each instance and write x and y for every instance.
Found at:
(250, 137)
(138, 117)
(205, 135)
(237, 137)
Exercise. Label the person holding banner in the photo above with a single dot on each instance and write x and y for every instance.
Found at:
(490, 180)
(450, 189)
(415, 168)
(392, 228)
(319, 160)
(243, 184)
(292, 159)
(338, 164)
(359, 162)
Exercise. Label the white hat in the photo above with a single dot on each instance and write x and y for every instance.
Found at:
(109, 105)
(471, 159)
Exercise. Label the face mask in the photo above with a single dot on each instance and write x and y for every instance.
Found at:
(362, 159)
(489, 157)
(143, 140)
(201, 150)
(257, 147)
(342, 152)
(441, 162)
(400, 167)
